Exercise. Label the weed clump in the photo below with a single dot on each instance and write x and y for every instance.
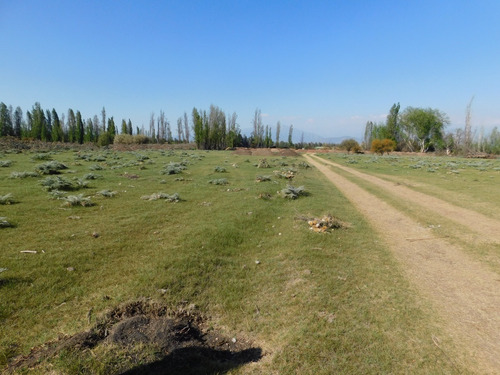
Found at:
(287, 174)
(219, 181)
(77, 200)
(51, 167)
(220, 169)
(292, 192)
(4, 223)
(5, 163)
(174, 168)
(156, 196)
(23, 174)
(107, 193)
(7, 199)
(263, 164)
(57, 183)
(262, 178)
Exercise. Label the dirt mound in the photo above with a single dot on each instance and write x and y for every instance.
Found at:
(180, 335)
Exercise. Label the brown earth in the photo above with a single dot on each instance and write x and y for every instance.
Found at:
(463, 290)
(181, 337)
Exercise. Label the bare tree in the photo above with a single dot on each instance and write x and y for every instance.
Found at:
(180, 133)
(152, 126)
(186, 127)
(278, 129)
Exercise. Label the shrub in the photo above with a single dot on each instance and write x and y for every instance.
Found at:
(263, 164)
(350, 145)
(219, 181)
(4, 223)
(7, 199)
(5, 163)
(291, 192)
(174, 168)
(381, 146)
(23, 174)
(91, 176)
(285, 173)
(262, 178)
(42, 156)
(77, 200)
(156, 196)
(57, 183)
(220, 169)
(51, 167)
(107, 193)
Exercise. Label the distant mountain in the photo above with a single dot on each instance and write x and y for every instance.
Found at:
(308, 136)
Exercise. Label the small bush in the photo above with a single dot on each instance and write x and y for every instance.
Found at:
(7, 199)
(23, 174)
(77, 200)
(95, 167)
(91, 176)
(350, 145)
(291, 192)
(51, 167)
(304, 165)
(5, 163)
(219, 181)
(263, 164)
(220, 169)
(381, 146)
(42, 156)
(107, 193)
(174, 168)
(262, 178)
(156, 196)
(57, 183)
(4, 223)
(285, 173)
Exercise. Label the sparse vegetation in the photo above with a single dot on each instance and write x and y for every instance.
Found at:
(7, 199)
(292, 192)
(51, 167)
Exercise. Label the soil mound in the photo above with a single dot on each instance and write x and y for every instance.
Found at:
(180, 335)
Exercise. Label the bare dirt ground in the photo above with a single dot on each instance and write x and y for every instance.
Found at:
(464, 291)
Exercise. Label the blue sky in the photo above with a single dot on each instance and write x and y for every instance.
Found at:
(323, 66)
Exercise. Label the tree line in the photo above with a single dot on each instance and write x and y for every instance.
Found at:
(210, 130)
(424, 129)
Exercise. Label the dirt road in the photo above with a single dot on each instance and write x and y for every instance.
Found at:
(463, 290)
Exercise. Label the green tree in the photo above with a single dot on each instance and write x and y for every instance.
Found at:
(38, 123)
(124, 127)
(18, 122)
(392, 124)
(89, 132)
(290, 134)
(6, 127)
(278, 130)
(423, 128)
(57, 131)
(72, 134)
(350, 145)
(80, 128)
(129, 127)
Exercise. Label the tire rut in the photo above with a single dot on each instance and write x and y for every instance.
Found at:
(488, 228)
(462, 290)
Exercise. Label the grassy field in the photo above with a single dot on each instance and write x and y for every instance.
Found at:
(314, 303)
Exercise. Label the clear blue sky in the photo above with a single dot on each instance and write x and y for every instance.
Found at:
(323, 66)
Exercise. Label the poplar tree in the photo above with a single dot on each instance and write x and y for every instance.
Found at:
(80, 128)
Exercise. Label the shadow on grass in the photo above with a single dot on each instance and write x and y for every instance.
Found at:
(197, 361)
(10, 281)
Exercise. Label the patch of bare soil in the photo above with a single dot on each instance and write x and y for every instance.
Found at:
(181, 335)
(463, 290)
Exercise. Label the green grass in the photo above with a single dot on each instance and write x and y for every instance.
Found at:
(315, 303)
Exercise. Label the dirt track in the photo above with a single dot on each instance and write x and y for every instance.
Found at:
(463, 290)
